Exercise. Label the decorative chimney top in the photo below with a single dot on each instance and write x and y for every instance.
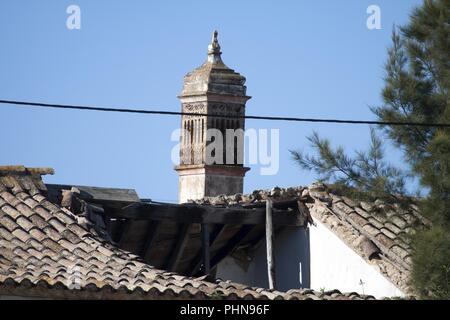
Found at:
(214, 49)
(213, 76)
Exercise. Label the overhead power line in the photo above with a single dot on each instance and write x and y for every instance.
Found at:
(177, 113)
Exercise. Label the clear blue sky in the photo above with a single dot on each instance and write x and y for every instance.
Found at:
(300, 58)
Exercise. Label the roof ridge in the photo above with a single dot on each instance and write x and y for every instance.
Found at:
(22, 170)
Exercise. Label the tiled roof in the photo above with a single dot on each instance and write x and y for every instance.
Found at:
(382, 239)
(45, 252)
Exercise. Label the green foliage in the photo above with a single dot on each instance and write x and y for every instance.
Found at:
(431, 272)
(217, 295)
(416, 90)
(366, 176)
(322, 291)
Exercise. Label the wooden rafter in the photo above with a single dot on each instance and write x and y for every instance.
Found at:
(231, 245)
(178, 249)
(125, 229)
(197, 261)
(206, 247)
(152, 233)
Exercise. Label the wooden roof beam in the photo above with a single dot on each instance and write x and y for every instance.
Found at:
(193, 213)
(231, 245)
(198, 260)
(152, 233)
(178, 249)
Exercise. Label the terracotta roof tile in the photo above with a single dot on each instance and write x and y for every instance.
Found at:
(7, 222)
(24, 223)
(24, 209)
(9, 198)
(56, 223)
(376, 222)
(5, 233)
(388, 233)
(37, 234)
(42, 212)
(371, 230)
(52, 233)
(361, 221)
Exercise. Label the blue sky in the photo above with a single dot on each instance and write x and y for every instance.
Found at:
(300, 58)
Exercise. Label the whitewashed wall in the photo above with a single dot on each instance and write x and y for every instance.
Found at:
(311, 258)
(335, 266)
(291, 263)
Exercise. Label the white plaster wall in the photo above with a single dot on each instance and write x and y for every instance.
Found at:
(311, 258)
(197, 186)
(191, 187)
(335, 266)
(229, 269)
(291, 263)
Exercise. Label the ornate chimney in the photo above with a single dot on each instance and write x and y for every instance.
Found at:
(217, 92)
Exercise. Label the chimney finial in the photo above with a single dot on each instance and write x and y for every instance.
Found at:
(214, 49)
